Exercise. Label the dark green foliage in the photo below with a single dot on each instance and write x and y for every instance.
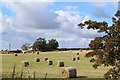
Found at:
(106, 49)
(118, 13)
(52, 44)
(25, 46)
(41, 45)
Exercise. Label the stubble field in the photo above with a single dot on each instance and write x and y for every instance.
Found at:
(83, 66)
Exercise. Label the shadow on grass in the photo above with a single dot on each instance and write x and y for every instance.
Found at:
(54, 79)
(84, 78)
(77, 78)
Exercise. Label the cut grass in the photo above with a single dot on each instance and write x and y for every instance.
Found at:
(83, 66)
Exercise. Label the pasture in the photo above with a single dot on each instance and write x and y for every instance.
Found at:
(83, 66)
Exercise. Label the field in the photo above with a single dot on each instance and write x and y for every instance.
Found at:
(83, 66)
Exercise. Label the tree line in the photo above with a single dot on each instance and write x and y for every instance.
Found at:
(42, 45)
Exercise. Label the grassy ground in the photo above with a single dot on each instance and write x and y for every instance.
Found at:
(83, 66)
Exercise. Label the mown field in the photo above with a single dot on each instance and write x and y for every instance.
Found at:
(83, 66)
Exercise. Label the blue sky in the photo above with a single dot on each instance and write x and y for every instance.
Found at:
(23, 22)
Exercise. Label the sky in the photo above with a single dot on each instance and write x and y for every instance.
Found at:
(25, 21)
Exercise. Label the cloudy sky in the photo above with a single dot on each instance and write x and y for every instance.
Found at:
(25, 21)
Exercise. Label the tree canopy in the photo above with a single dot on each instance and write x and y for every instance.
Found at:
(105, 49)
(25, 46)
(53, 44)
(41, 44)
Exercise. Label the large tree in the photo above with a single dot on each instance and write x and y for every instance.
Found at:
(106, 49)
(39, 45)
(25, 46)
(53, 44)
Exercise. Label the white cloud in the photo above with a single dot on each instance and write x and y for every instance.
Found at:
(22, 27)
(104, 3)
(68, 19)
(86, 18)
(29, 0)
(33, 20)
(0, 22)
(5, 22)
(99, 4)
(32, 15)
(73, 35)
(100, 13)
(69, 24)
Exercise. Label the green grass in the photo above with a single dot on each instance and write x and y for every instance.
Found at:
(83, 66)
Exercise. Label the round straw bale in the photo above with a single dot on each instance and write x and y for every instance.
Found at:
(70, 50)
(69, 72)
(73, 58)
(25, 63)
(37, 52)
(60, 63)
(49, 62)
(16, 54)
(37, 59)
(33, 52)
(24, 52)
(78, 58)
(77, 53)
(45, 59)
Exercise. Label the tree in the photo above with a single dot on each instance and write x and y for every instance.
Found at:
(53, 44)
(25, 46)
(105, 49)
(39, 45)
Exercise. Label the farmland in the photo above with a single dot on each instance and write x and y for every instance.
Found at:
(83, 66)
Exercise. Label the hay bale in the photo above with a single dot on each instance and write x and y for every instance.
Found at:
(70, 50)
(45, 59)
(37, 52)
(77, 53)
(16, 54)
(73, 58)
(49, 62)
(33, 52)
(78, 58)
(69, 72)
(37, 59)
(60, 63)
(24, 52)
(25, 63)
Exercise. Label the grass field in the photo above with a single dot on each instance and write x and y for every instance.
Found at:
(83, 66)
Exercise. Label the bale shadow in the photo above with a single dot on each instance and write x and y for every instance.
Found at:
(81, 77)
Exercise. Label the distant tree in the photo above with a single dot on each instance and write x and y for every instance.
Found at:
(25, 46)
(53, 44)
(106, 49)
(39, 45)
